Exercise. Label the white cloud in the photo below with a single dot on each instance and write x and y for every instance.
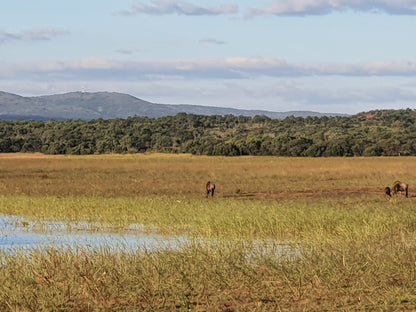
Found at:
(31, 35)
(212, 41)
(91, 63)
(226, 68)
(125, 51)
(321, 7)
(347, 95)
(239, 82)
(161, 7)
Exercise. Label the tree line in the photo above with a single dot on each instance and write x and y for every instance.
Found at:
(375, 133)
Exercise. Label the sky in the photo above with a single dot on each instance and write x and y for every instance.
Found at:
(332, 56)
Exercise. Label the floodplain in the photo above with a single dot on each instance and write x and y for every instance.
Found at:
(280, 234)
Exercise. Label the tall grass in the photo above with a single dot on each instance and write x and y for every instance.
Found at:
(302, 218)
(301, 235)
(348, 276)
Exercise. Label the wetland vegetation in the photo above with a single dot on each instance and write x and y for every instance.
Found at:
(280, 234)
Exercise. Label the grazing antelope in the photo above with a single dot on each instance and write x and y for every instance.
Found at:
(398, 187)
(210, 187)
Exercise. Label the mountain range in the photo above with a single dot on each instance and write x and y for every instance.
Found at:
(110, 105)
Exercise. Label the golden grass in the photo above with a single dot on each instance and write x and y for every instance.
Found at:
(358, 247)
(186, 175)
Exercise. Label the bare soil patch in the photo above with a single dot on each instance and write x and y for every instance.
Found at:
(335, 193)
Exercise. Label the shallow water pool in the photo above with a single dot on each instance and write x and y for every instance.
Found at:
(18, 233)
(24, 234)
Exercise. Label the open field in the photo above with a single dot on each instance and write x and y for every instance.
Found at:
(356, 248)
(184, 176)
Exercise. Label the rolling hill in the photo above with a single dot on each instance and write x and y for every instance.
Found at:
(109, 105)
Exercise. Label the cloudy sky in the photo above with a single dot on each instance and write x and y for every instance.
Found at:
(344, 56)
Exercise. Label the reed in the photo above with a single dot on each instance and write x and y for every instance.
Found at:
(301, 234)
(333, 275)
(225, 217)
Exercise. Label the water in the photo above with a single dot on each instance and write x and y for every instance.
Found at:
(18, 233)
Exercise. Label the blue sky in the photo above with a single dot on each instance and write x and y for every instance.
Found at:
(278, 55)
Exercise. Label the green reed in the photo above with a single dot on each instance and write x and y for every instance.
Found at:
(348, 218)
(331, 275)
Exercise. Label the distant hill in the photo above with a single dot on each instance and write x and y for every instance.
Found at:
(110, 105)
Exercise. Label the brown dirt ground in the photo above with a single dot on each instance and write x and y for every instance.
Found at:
(311, 194)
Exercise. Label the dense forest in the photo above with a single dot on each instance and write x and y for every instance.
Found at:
(375, 133)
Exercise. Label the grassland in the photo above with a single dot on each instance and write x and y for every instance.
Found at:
(355, 247)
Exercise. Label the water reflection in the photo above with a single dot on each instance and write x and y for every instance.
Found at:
(18, 233)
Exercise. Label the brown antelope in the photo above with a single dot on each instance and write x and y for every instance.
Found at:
(398, 187)
(210, 187)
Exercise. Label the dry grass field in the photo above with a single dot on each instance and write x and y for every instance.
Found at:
(186, 175)
(355, 247)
